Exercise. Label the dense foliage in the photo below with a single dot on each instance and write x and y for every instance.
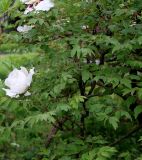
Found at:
(86, 100)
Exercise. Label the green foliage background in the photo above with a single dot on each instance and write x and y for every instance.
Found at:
(78, 110)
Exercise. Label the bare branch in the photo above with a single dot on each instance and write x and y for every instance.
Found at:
(56, 126)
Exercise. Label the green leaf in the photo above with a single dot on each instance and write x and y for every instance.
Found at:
(139, 90)
(76, 51)
(4, 5)
(63, 107)
(76, 100)
(137, 110)
(85, 75)
(106, 152)
(140, 40)
(126, 82)
(140, 139)
(123, 113)
(114, 122)
(34, 119)
(2, 117)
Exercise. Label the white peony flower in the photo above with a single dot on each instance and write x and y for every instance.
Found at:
(24, 28)
(38, 5)
(18, 81)
(44, 5)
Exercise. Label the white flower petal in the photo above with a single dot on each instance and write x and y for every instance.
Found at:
(32, 71)
(17, 96)
(10, 93)
(24, 70)
(8, 81)
(30, 75)
(27, 94)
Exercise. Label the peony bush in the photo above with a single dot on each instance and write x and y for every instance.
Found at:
(85, 97)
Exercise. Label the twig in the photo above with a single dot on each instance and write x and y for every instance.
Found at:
(56, 126)
(81, 85)
(84, 114)
(135, 129)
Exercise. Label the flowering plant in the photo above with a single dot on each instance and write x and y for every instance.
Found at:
(87, 94)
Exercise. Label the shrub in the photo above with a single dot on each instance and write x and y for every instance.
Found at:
(86, 93)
